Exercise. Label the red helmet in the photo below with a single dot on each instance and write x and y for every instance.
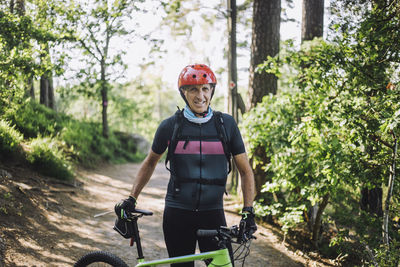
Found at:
(196, 74)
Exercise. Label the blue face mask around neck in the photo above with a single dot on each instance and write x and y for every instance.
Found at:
(188, 113)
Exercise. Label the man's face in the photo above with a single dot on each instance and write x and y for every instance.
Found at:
(198, 97)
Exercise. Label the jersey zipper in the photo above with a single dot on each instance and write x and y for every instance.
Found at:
(201, 161)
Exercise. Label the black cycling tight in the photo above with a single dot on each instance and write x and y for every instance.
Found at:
(180, 228)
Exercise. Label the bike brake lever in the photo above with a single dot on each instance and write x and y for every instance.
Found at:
(242, 234)
(249, 236)
(252, 237)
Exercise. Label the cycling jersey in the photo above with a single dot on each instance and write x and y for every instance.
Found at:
(198, 164)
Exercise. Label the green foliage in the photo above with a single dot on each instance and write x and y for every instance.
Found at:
(87, 146)
(10, 140)
(23, 36)
(33, 119)
(27, 40)
(139, 109)
(387, 256)
(56, 141)
(80, 138)
(335, 131)
(292, 217)
(132, 107)
(98, 25)
(46, 157)
(15, 57)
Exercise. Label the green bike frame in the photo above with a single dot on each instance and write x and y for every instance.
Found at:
(220, 258)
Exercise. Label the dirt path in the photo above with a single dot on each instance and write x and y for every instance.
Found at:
(66, 227)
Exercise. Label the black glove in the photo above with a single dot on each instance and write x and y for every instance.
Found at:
(248, 218)
(125, 206)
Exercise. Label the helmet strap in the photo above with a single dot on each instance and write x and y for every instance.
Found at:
(203, 114)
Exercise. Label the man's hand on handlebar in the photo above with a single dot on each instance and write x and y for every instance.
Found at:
(125, 206)
(248, 221)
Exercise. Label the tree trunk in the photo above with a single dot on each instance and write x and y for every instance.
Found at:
(312, 19)
(31, 88)
(46, 80)
(313, 26)
(46, 90)
(49, 78)
(264, 43)
(20, 7)
(260, 177)
(232, 63)
(104, 96)
(44, 93)
(232, 81)
(371, 200)
(385, 224)
(11, 6)
(318, 220)
(50, 91)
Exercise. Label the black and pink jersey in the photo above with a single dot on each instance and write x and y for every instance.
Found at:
(198, 163)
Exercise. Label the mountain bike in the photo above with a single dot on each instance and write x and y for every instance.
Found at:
(128, 228)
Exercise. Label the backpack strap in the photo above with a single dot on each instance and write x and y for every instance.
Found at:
(175, 135)
(219, 124)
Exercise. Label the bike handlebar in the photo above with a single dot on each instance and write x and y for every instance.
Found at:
(227, 233)
(143, 212)
(136, 213)
(223, 233)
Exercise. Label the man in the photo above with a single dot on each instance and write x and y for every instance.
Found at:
(200, 143)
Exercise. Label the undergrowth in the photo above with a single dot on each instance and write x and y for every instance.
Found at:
(54, 143)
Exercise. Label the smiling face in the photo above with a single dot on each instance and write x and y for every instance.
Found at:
(198, 96)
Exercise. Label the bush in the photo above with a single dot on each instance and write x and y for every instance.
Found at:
(46, 156)
(88, 146)
(79, 137)
(85, 143)
(10, 140)
(58, 137)
(335, 134)
(127, 147)
(33, 119)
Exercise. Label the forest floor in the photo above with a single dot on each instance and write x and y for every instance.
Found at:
(44, 222)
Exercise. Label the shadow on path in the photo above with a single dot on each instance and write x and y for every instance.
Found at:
(264, 251)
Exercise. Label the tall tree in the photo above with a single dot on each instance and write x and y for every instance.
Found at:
(232, 65)
(264, 44)
(232, 77)
(50, 17)
(312, 27)
(101, 23)
(46, 79)
(312, 19)
(235, 100)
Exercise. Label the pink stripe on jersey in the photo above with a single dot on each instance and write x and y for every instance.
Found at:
(193, 147)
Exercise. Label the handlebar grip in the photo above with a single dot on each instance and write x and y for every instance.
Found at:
(207, 233)
(144, 212)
